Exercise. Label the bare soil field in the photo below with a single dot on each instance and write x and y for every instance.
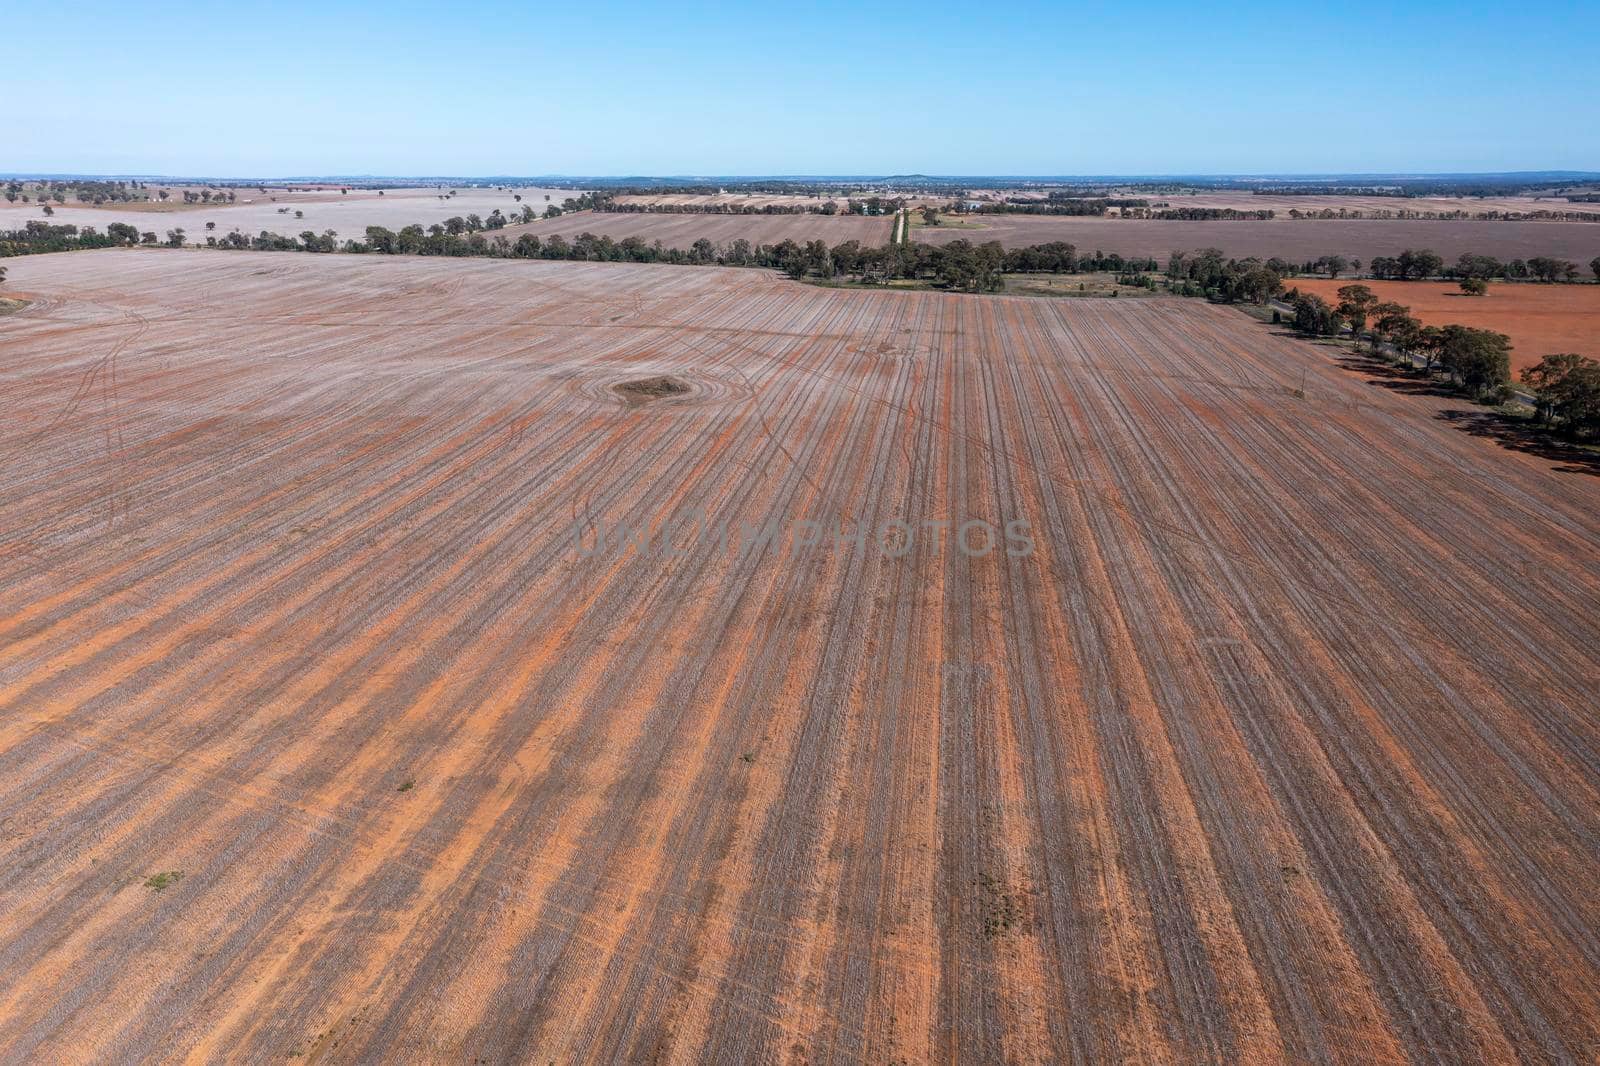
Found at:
(349, 214)
(1243, 200)
(750, 200)
(681, 231)
(1539, 319)
(323, 741)
(1295, 239)
(1248, 201)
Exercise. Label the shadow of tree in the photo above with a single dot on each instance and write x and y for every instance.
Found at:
(1509, 431)
(1387, 375)
(1523, 435)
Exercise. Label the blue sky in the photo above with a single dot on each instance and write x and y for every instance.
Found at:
(483, 87)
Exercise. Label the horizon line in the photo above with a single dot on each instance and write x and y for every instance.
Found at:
(1552, 175)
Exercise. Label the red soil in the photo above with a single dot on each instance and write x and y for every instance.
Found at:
(1539, 319)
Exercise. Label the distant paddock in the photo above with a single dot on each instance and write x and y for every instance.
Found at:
(1539, 319)
(681, 231)
(1295, 239)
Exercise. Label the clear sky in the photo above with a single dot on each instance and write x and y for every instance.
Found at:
(480, 87)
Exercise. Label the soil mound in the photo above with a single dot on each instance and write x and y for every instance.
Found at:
(652, 388)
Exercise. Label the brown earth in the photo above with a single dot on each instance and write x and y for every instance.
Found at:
(1539, 319)
(652, 388)
(739, 199)
(682, 230)
(1279, 746)
(273, 211)
(1297, 240)
(1244, 200)
(1248, 201)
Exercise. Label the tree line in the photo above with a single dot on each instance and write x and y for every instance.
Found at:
(1055, 205)
(1206, 272)
(1416, 265)
(870, 205)
(85, 191)
(1459, 215)
(959, 265)
(1566, 386)
(1422, 264)
(1566, 389)
(1206, 214)
(1476, 361)
(1098, 206)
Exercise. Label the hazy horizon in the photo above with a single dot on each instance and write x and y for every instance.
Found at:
(1239, 176)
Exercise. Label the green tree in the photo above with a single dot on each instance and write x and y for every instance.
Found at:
(1257, 283)
(1355, 304)
(1567, 387)
(1419, 264)
(1430, 342)
(1478, 359)
(1313, 316)
(1333, 265)
(1546, 377)
(1470, 265)
(1392, 323)
(1549, 270)
(380, 239)
(1474, 286)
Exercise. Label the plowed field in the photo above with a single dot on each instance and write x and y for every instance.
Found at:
(1294, 239)
(321, 739)
(348, 215)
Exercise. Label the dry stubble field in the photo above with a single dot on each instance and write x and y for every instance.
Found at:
(1282, 204)
(682, 230)
(1280, 745)
(348, 215)
(1293, 239)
